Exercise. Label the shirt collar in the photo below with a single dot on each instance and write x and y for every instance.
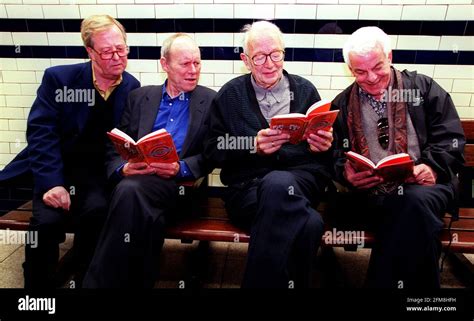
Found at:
(277, 91)
(105, 94)
(165, 94)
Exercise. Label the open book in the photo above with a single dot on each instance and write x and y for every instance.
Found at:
(300, 126)
(396, 167)
(156, 147)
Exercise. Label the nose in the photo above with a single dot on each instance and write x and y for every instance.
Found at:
(371, 76)
(268, 62)
(193, 69)
(115, 56)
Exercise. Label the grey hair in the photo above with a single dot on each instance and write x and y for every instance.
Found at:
(166, 46)
(364, 40)
(260, 27)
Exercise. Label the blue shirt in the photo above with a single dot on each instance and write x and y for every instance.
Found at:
(173, 115)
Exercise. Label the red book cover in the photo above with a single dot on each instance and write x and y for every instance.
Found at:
(300, 126)
(396, 167)
(156, 147)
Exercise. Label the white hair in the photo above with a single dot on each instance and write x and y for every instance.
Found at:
(364, 40)
(259, 28)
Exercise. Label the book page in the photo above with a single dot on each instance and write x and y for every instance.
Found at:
(394, 159)
(319, 107)
(153, 134)
(359, 159)
(120, 133)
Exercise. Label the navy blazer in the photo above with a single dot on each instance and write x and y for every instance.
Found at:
(139, 118)
(54, 126)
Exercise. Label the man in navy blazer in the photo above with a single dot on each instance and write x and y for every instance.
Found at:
(144, 200)
(75, 106)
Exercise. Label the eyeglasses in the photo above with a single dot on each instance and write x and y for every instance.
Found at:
(382, 130)
(275, 56)
(107, 55)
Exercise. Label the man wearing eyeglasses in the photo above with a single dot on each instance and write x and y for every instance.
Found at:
(75, 106)
(270, 192)
(387, 112)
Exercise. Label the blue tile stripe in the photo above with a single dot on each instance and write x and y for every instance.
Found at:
(438, 57)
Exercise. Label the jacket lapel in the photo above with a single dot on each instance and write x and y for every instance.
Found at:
(120, 99)
(149, 109)
(196, 112)
(84, 81)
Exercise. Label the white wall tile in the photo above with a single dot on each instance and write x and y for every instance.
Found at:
(206, 80)
(142, 65)
(217, 66)
(8, 64)
(221, 11)
(465, 112)
(6, 158)
(10, 89)
(341, 82)
(33, 64)
(17, 124)
(446, 84)
(317, 1)
(2, 103)
(77, 1)
(424, 12)
(295, 12)
(39, 76)
(65, 11)
(330, 69)
(59, 62)
(148, 78)
(458, 99)
(12, 1)
(456, 43)
(192, 1)
(174, 11)
(141, 11)
(328, 93)
(463, 86)
(360, 2)
(233, 1)
(29, 89)
(320, 82)
(337, 12)
(329, 41)
(302, 68)
(89, 10)
(6, 38)
(454, 72)
(4, 147)
(472, 100)
(214, 39)
(19, 76)
(154, 1)
(15, 148)
(238, 39)
(403, 1)
(40, 1)
(24, 11)
(11, 113)
(448, 1)
(141, 39)
(114, 1)
(427, 70)
(239, 67)
(12, 136)
(19, 101)
(30, 38)
(298, 40)
(160, 37)
(257, 11)
(221, 79)
(3, 12)
(460, 12)
(384, 12)
(418, 42)
(276, 1)
(64, 39)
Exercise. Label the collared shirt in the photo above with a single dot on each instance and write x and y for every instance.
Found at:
(105, 94)
(274, 101)
(173, 115)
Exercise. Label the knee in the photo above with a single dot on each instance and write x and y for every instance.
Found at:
(315, 224)
(128, 186)
(278, 183)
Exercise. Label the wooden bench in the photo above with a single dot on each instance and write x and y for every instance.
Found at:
(209, 222)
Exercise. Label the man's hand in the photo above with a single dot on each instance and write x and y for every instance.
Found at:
(141, 168)
(423, 175)
(361, 180)
(57, 197)
(320, 142)
(166, 170)
(269, 140)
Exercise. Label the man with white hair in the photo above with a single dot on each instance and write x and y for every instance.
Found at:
(271, 191)
(386, 112)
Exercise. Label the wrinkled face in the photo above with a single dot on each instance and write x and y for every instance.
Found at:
(183, 66)
(371, 70)
(268, 74)
(108, 41)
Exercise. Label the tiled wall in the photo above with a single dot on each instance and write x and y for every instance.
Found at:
(435, 37)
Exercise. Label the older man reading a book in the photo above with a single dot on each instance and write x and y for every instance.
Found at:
(143, 201)
(272, 191)
(376, 119)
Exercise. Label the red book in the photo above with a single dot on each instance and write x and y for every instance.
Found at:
(156, 147)
(396, 167)
(300, 126)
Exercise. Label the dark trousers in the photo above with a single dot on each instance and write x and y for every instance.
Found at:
(128, 251)
(285, 230)
(88, 211)
(407, 226)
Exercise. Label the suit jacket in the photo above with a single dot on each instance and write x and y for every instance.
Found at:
(54, 126)
(139, 117)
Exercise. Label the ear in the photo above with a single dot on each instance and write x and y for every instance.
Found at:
(164, 64)
(390, 57)
(246, 60)
(90, 53)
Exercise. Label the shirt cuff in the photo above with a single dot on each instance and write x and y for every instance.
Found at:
(118, 171)
(184, 171)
